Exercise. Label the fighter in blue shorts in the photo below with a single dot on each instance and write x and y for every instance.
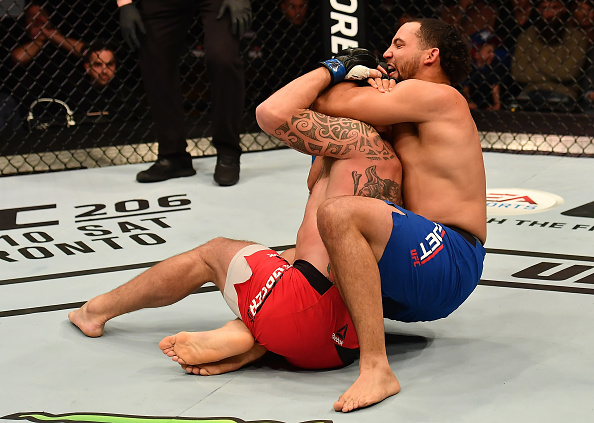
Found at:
(427, 269)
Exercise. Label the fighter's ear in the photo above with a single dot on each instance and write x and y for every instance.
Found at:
(431, 55)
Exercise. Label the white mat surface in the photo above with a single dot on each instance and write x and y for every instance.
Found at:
(519, 350)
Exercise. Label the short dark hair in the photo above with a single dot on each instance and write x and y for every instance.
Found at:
(454, 51)
(96, 46)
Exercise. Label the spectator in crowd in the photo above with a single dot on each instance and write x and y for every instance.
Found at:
(480, 15)
(587, 85)
(93, 93)
(100, 65)
(43, 33)
(98, 92)
(514, 18)
(482, 88)
(548, 60)
(453, 12)
(295, 11)
(481, 19)
(288, 42)
(583, 15)
(45, 58)
(158, 28)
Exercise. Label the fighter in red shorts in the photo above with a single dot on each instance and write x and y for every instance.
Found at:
(293, 310)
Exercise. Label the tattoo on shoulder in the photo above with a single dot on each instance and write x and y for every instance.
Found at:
(315, 133)
(375, 187)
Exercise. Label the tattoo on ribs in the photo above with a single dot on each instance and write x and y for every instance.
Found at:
(315, 133)
(375, 187)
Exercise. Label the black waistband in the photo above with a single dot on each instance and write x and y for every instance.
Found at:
(315, 278)
(466, 235)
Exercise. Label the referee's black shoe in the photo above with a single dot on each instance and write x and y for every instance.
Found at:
(167, 168)
(226, 171)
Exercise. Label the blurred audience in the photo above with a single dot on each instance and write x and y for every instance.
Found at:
(10, 118)
(583, 15)
(43, 34)
(480, 15)
(44, 59)
(549, 59)
(515, 17)
(289, 43)
(100, 65)
(407, 15)
(587, 85)
(481, 18)
(545, 47)
(98, 92)
(93, 93)
(453, 12)
(295, 11)
(482, 88)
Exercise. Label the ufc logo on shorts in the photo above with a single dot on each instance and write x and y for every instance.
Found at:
(266, 289)
(430, 248)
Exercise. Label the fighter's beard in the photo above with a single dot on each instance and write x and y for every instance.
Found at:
(409, 68)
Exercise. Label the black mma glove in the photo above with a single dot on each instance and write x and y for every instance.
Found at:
(350, 64)
(129, 20)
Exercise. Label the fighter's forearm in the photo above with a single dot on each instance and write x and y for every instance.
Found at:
(292, 99)
(336, 100)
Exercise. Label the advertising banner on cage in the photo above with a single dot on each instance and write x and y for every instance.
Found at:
(343, 25)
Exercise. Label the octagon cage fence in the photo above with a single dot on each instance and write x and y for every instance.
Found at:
(44, 75)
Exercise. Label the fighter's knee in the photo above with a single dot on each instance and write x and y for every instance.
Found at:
(206, 250)
(218, 241)
(331, 214)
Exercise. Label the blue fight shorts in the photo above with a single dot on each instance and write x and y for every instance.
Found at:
(427, 269)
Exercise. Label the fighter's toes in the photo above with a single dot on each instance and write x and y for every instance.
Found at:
(166, 345)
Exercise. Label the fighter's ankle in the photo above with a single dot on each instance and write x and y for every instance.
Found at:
(374, 363)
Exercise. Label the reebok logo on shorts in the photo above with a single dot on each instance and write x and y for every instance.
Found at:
(432, 246)
(340, 335)
(261, 296)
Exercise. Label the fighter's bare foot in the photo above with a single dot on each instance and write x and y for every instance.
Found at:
(191, 348)
(88, 322)
(229, 364)
(372, 386)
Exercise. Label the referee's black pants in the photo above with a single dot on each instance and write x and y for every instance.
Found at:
(167, 23)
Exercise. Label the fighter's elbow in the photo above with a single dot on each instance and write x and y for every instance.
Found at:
(319, 105)
(268, 117)
(334, 98)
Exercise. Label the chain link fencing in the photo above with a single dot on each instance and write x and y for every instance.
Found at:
(52, 118)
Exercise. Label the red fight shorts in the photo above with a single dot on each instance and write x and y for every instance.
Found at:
(293, 311)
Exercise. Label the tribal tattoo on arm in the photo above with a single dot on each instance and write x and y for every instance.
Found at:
(317, 134)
